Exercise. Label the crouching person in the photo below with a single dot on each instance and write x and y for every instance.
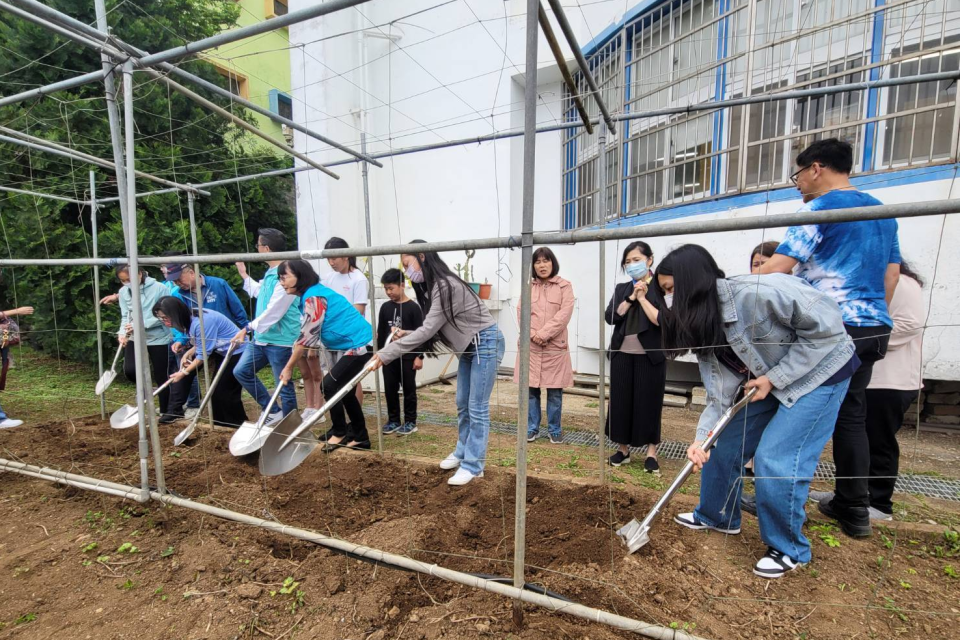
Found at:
(782, 336)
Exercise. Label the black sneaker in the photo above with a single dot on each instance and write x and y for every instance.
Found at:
(853, 522)
(650, 465)
(619, 458)
(774, 564)
(748, 504)
(330, 433)
(167, 418)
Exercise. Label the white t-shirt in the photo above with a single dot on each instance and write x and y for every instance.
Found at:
(352, 285)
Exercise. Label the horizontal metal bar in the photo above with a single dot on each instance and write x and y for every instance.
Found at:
(880, 212)
(42, 195)
(129, 493)
(252, 30)
(63, 85)
(39, 9)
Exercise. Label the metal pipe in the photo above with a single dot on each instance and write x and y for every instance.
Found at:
(243, 124)
(96, 289)
(526, 260)
(42, 195)
(199, 284)
(100, 36)
(113, 116)
(584, 65)
(371, 284)
(62, 85)
(11, 465)
(57, 149)
(562, 65)
(601, 302)
(65, 33)
(132, 493)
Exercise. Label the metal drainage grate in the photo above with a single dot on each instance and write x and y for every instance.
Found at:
(927, 486)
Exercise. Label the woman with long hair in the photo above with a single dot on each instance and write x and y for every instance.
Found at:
(551, 307)
(349, 281)
(456, 319)
(638, 368)
(329, 323)
(218, 331)
(781, 336)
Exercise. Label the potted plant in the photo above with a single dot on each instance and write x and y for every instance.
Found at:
(465, 271)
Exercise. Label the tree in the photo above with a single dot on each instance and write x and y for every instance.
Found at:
(175, 138)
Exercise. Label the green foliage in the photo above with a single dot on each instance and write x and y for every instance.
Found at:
(27, 617)
(89, 547)
(175, 138)
(127, 547)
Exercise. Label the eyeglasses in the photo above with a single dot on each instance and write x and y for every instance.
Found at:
(284, 276)
(796, 175)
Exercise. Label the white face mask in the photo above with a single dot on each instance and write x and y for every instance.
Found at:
(668, 300)
(414, 275)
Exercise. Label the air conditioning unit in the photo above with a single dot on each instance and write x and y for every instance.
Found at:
(287, 133)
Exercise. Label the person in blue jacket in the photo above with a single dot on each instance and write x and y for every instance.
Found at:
(175, 356)
(217, 293)
(330, 323)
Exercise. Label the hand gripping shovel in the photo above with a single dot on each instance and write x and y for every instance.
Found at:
(276, 457)
(128, 415)
(183, 435)
(251, 435)
(107, 378)
(636, 534)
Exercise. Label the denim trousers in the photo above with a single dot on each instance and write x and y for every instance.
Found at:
(254, 358)
(786, 444)
(554, 410)
(476, 376)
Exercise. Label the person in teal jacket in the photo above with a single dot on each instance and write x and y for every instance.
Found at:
(157, 335)
(331, 324)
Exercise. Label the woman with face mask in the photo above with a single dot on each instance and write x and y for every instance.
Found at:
(638, 369)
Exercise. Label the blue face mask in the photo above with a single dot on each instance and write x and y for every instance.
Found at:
(637, 270)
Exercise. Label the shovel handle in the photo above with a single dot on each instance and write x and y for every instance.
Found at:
(116, 357)
(216, 379)
(273, 400)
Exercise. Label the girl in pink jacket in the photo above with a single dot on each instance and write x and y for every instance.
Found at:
(550, 367)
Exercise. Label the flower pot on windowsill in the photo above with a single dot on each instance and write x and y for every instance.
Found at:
(485, 290)
(475, 286)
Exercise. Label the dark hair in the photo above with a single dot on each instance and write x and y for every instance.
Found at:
(175, 309)
(437, 274)
(640, 245)
(906, 270)
(273, 239)
(765, 249)
(832, 153)
(693, 323)
(392, 276)
(546, 254)
(125, 268)
(340, 243)
(304, 273)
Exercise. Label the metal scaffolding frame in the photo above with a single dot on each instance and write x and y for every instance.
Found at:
(130, 59)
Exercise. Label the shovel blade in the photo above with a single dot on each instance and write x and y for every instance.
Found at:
(274, 462)
(125, 417)
(634, 535)
(186, 433)
(248, 439)
(105, 381)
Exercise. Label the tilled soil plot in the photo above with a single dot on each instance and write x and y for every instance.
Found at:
(75, 564)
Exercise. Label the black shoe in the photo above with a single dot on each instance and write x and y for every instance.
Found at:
(650, 465)
(853, 522)
(330, 432)
(774, 564)
(748, 504)
(167, 418)
(619, 458)
(364, 444)
(328, 448)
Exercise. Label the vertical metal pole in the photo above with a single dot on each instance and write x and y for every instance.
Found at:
(747, 91)
(144, 389)
(199, 284)
(96, 289)
(373, 291)
(526, 255)
(113, 114)
(602, 250)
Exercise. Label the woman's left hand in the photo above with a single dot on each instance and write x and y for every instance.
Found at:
(697, 456)
(763, 386)
(178, 376)
(375, 362)
(286, 375)
(23, 311)
(417, 364)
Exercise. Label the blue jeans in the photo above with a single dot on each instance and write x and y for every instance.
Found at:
(786, 445)
(173, 365)
(554, 409)
(256, 357)
(475, 378)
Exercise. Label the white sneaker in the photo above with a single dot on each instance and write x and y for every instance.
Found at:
(820, 496)
(450, 462)
(462, 477)
(8, 423)
(875, 514)
(191, 413)
(273, 419)
(306, 413)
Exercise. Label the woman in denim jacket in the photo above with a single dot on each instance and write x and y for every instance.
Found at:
(780, 335)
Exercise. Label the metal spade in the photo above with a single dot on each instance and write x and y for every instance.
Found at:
(128, 415)
(635, 534)
(251, 435)
(107, 378)
(186, 433)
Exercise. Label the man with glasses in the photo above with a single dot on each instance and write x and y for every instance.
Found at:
(858, 264)
(274, 329)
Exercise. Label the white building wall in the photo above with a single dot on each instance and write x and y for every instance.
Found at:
(443, 82)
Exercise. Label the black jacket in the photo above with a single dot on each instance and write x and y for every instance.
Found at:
(649, 334)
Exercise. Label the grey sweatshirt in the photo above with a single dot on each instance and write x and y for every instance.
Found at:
(471, 315)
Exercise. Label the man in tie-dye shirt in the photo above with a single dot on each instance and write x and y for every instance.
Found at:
(858, 265)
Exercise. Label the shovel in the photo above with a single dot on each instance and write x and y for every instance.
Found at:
(251, 435)
(128, 415)
(635, 534)
(107, 378)
(276, 457)
(183, 435)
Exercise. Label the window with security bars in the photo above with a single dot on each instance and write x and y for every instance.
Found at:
(694, 52)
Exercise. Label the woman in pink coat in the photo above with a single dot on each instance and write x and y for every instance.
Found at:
(550, 368)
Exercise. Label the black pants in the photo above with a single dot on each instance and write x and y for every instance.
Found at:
(226, 401)
(885, 411)
(341, 373)
(159, 357)
(396, 374)
(851, 447)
